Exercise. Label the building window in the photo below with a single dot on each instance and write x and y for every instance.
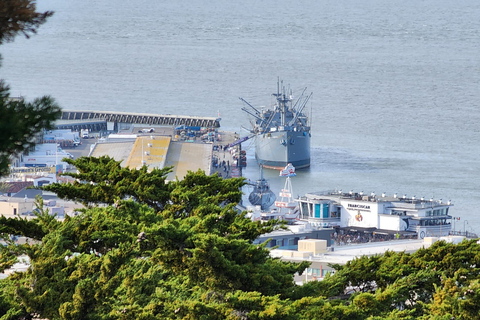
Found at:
(325, 210)
(317, 210)
(305, 211)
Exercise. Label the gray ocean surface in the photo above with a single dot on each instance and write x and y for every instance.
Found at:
(396, 104)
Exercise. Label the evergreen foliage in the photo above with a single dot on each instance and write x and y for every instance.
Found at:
(108, 182)
(144, 248)
(188, 254)
(20, 121)
(20, 17)
(131, 260)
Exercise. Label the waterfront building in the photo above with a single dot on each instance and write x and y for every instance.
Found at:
(377, 215)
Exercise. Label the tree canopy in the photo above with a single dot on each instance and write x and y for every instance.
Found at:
(188, 254)
(129, 259)
(145, 248)
(20, 120)
(20, 17)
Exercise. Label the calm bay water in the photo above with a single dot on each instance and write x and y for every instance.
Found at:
(396, 83)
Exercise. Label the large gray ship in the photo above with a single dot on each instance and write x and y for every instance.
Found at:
(282, 131)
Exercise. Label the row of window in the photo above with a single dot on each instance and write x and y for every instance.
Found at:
(321, 210)
(320, 273)
(318, 210)
(436, 212)
(435, 222)
(284, 242)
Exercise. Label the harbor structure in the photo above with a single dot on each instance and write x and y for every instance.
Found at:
(113, 120)
(187, 143)
(45, 155)
(374, 214)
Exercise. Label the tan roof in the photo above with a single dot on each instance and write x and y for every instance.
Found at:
(186, 157)
(119, 151)
(149, 150)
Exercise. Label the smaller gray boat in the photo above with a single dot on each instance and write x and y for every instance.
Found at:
(261, 195)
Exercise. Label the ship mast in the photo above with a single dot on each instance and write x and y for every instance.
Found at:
(282, 101)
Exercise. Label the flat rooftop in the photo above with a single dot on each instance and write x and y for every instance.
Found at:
(157, 151)
(186, 157)
(120, 151)
(394, 200)
(345, 253)
(150, 151)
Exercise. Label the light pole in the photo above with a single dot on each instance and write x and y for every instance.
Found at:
(454, 224)
(464, 230)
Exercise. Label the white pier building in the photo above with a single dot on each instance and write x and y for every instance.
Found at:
(377, 214)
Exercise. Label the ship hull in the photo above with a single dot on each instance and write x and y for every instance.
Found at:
(274, 150)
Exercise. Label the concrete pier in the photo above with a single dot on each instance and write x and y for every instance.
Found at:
(159, 149)
(87, 117)
(227, 159)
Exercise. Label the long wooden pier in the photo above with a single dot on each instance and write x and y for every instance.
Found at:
(140, 118)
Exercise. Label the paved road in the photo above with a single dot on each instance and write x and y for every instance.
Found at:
(225, 156)
(83, 149)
